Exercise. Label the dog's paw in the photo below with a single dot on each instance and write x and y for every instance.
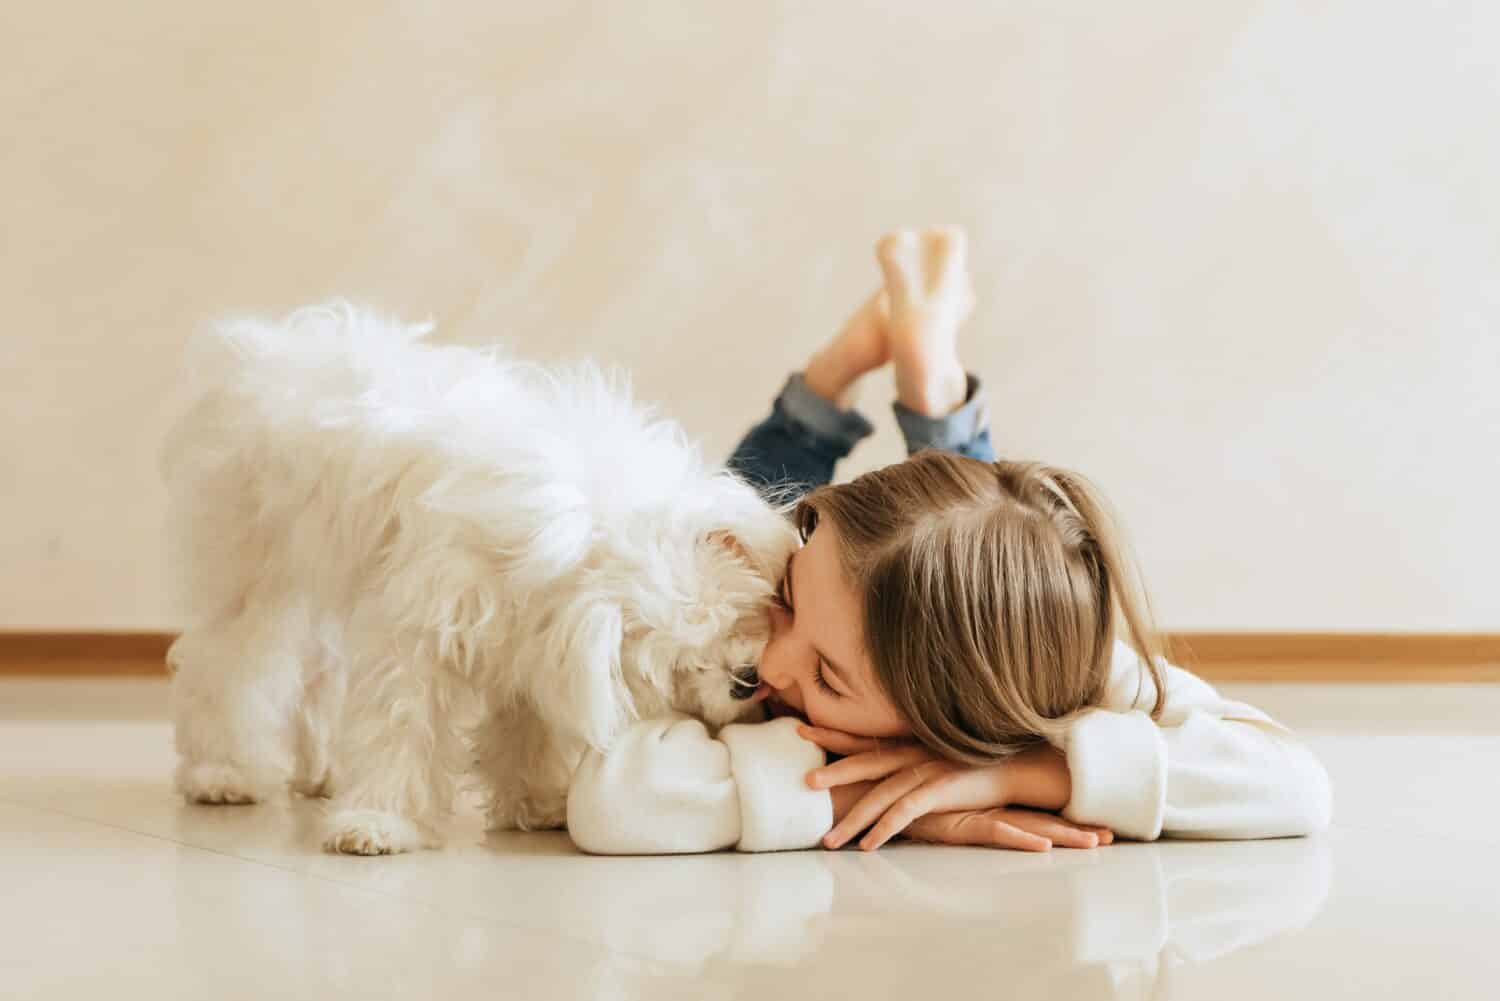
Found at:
(527, 813)
(319, 788)
(500, 820)
(371, 832)
(216, 785)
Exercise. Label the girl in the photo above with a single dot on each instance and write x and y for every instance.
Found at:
(948, 627)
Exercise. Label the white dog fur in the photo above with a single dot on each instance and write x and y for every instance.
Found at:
(402, 560)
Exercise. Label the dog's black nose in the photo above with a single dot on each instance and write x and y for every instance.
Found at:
(746, 681)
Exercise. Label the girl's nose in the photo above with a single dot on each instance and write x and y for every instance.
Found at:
(771, 675)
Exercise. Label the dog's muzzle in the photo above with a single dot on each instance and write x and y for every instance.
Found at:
(745, 681)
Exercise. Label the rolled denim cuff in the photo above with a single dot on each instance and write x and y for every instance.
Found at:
(951, 433)
(825, 419)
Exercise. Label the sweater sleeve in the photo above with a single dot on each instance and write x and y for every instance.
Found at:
(777, 809)
(665, 786)
(1207, 768)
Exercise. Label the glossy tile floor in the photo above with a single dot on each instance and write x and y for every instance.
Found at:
(111, 886)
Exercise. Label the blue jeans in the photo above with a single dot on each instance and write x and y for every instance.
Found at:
(795, 448)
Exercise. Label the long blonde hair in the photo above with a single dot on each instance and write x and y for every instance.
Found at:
(990, 596)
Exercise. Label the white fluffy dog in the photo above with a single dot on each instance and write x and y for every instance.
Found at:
(406, 561)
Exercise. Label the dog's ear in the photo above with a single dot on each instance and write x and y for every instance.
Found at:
(753, 557)
(585, 686)
(726, 539)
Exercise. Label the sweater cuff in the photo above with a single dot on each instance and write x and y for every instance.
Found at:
(1118, 766)
(778, 811)
(664, 787)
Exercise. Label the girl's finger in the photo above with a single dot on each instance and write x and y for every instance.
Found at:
(1101, 835)
(1061, 832)
(1067, 836)
(920, 802)
(979, 828)
(871, 807)
(999, 834)
(917, 803)
(865, 767)
(839, 742)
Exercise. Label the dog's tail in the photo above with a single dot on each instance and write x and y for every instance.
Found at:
(254, 385)
(282, 408)
(319, 366)
(329, 352)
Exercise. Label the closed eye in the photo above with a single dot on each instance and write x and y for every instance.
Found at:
(779, 599)
(822, 682)
(783, 601)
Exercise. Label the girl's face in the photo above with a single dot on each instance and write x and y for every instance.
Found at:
(816, 664)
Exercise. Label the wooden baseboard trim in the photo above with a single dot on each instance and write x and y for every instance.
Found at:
(84, 654)
(1366, 657)
(1358, 657)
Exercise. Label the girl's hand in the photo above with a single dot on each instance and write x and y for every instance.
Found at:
(906, 782)
(1023, 830)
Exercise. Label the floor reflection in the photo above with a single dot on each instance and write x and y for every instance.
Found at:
(1108, 923)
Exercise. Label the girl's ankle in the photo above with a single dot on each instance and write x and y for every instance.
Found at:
(932, 393)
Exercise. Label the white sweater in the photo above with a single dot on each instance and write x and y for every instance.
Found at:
(1207, 768)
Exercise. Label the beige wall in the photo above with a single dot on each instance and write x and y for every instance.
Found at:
(1237, 261)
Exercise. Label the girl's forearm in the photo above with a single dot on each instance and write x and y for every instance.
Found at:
(1039, 778)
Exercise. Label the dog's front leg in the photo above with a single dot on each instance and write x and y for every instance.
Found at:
(397, 759)
(527, 767)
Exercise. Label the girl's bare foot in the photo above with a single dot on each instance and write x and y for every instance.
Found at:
(927, 283)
